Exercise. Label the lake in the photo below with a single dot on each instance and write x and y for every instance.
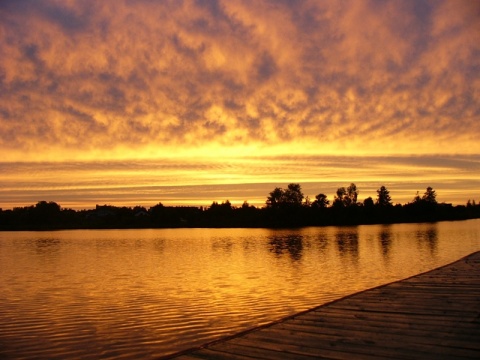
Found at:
(148, 293)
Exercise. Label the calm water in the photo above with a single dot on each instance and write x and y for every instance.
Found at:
(148, 293)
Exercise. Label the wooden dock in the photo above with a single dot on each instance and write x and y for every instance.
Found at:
(435, 315)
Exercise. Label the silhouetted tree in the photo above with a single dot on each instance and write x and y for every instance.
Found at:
(45, 214)
(352, 195)
(307, 203)
(368, 202)
(275, 198)
(224, 207)
(321, 201)
(346, 197)
(424, 208)
(157, 209)
(417, 199)
(247, 215)
(138, 209)
(284, 209)
(430, 196)
(338, 199)
(471, 203)
(383, 197)
(292, 196)
(49, 208)
(367, 213)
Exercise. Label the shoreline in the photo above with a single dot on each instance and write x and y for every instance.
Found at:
(47, 229)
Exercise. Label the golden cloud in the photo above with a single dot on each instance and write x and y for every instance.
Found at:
(140, 79)
(354, 76)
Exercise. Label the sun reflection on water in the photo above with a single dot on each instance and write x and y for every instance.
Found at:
(145, 293)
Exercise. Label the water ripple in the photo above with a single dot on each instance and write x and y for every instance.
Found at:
(117, 294)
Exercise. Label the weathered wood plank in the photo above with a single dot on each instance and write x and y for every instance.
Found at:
(400, 324)
(322, 349)
(356, 343)
(394, 308)
(219, 355)
(252, 350)
(435, 315)
(376, 336)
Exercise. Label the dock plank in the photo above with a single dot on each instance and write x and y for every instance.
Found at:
(435, 315)
(401, 326)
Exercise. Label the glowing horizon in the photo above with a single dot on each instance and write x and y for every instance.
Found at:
(198, 101)
(198, 182)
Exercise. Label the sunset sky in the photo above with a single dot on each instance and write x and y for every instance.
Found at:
(128, 102)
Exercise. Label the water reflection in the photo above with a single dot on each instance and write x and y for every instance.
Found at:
(291, 244)
(222, 244)
(322, 243)
(159, 245)
(47, 246)
(347, 242)
(428, 237)
(385, 237)
(148, 293)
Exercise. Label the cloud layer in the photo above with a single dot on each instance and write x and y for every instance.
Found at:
(137, 78)
(127, 102)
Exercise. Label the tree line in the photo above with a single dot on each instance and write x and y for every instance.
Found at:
(284, 207)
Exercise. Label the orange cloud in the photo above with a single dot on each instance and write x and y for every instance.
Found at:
(232, 79)
(357, 74)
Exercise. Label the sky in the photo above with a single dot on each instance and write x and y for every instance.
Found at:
(129, 103)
